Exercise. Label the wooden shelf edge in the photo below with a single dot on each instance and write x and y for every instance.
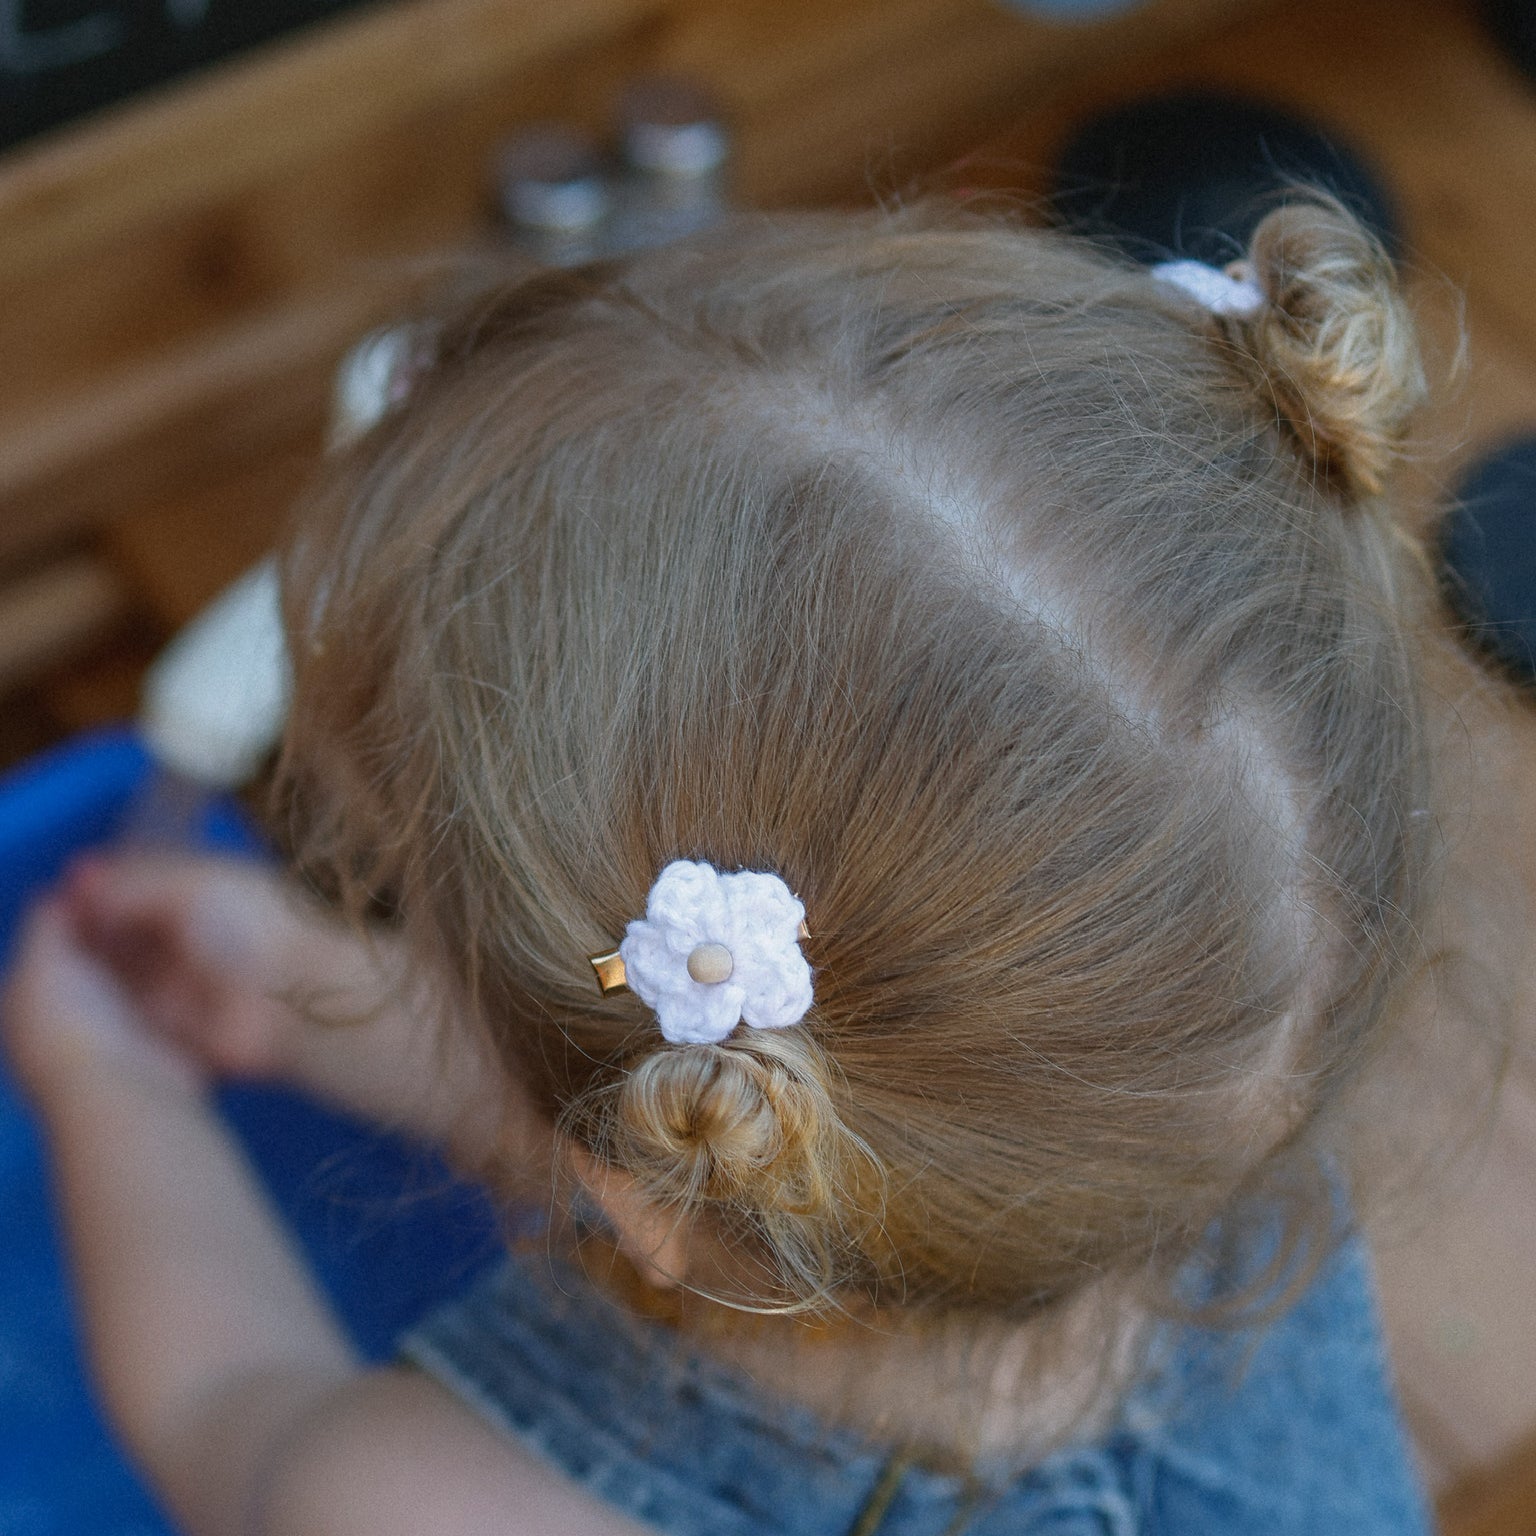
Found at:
(244, 120)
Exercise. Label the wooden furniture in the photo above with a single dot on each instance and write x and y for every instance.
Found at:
(179, 275)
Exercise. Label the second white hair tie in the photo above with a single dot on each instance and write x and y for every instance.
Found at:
(1230, 292)
(713, 951)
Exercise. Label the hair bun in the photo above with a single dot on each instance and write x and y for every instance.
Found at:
(749, 1126)
(1335, 341)
(724, 1122)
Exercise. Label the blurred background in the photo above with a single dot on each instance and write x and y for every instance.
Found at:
(204, 206)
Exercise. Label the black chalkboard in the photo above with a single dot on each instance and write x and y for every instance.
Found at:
(60, 59)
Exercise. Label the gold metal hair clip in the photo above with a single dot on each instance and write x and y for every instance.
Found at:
(609, 967)
(610, 972)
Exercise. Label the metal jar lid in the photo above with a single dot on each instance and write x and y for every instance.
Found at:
(672, 126)
(550, 179)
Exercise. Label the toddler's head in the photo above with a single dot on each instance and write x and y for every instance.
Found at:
(1042, 630)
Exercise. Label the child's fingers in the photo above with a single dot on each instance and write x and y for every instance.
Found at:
(157, 923)
(131, 894)
(44, 938)
(199, 943)
(60, 1003)
(134, 916)
(48, 956)
(224, 915)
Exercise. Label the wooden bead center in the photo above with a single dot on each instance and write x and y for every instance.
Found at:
(710, 964)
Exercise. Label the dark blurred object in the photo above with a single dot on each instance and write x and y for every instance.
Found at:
(1513, 24)
(674, 150)
(1490, 550)
(554, 195)
(1192, 174)
(1072, 10)
(59, 61)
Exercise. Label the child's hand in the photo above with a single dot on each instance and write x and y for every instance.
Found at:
(208, 949)
(229, 964)
(66, 1014)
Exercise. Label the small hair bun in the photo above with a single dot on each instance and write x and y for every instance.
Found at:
(750, 1127)
(1335, 342)
(723, 1123)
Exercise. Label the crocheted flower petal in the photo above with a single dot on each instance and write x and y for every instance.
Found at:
(700, 1015)
(763, 928)
(776, 987)
(687, 901)
(651, 967)
(761, 903)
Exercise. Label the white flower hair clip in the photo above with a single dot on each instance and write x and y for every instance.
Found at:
(377, 376)
(713, 951)
(1229, 291)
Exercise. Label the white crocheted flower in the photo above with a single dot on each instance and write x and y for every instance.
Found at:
(1223, 293)
(714, 950)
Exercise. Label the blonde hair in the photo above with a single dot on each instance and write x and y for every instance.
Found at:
(1045, 633)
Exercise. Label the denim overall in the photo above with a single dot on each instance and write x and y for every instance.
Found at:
(1287, 1431)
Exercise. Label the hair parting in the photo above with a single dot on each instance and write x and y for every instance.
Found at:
(1015, 612)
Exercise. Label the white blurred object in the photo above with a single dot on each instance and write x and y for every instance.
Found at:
(373, 377)
(554, 194)
(676, 149)
(216, 699)
(1230, 292)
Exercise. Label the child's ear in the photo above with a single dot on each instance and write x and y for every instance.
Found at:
(653, 1239)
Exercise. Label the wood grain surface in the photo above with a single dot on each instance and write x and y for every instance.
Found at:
(179, 274)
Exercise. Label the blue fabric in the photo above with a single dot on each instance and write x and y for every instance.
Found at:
(1287, 1432)
(387, 1232)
